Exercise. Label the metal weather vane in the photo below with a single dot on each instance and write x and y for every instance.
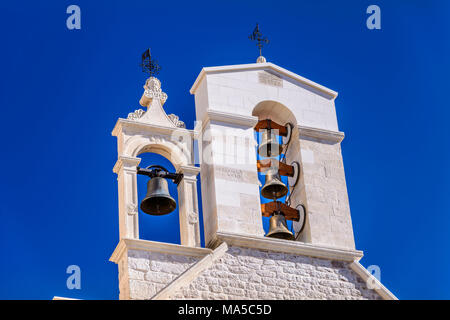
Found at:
(260, 40)
(149, 65)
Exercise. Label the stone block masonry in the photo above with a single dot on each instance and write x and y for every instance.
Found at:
(238, 261)
(150, 272)
(246, 273)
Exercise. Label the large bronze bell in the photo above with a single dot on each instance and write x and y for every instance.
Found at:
(273, 187)
(158, 200)
(269, 146)
(278, 227)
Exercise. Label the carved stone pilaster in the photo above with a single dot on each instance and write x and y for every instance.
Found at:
(125, 169)
(189, 212)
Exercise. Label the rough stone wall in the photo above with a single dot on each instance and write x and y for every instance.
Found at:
(244, 273)
(150, 272)
(329, 221)
(230, 186)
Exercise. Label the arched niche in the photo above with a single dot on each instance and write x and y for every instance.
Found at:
(174, 146)
(281, 114)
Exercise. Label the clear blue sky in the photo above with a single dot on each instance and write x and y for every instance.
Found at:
(62, 91)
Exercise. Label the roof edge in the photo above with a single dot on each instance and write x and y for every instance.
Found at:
(375, 283)
(261, 66)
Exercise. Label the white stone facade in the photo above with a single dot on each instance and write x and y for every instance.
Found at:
(238, 261)
(239, 272)
(229, 101)
(150, 272)
(323, 178)
(155, 131)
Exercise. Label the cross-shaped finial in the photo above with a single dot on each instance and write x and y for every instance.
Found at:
(148, 64)
(256, 35)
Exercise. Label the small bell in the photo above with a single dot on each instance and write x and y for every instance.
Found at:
(158, 200)
(269, 146)
(273, 187)
(278, 227)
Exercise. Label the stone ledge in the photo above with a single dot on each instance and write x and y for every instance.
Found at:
(334, 136)
(240, 120)
(136, 126)
(190, 169)
(287, 246)
(125, 160)
(154, 246)
(251, 121)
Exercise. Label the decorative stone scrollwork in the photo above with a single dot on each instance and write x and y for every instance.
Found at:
(132, 209)
(176, 121)
(158, 139)
(153, 90)
(193, 218)
(136, 114)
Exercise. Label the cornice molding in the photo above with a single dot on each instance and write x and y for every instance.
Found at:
(288, 246)
(192, 170)
(240, 120)
(322, 134)
(151, 128)
(251, 121)
(126, 244)
(130, 161)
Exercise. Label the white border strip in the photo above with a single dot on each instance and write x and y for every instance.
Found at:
(377, 285)
(154, 246)
(288, 246)
(191, 273)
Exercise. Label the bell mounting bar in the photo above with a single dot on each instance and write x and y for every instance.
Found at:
(160, 171)
(283, 168)
(268, 124)
(290, 213)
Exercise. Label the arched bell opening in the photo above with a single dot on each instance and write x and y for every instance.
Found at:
(184, 225)
(296, 196)
(164, 228)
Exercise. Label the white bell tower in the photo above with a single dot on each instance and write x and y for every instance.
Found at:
(155, 131)
(238, 260)
(229, 102)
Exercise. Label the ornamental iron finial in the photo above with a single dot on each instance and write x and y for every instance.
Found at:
(149, 65)
(260, 40)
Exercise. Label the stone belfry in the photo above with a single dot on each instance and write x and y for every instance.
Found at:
(239, 261)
